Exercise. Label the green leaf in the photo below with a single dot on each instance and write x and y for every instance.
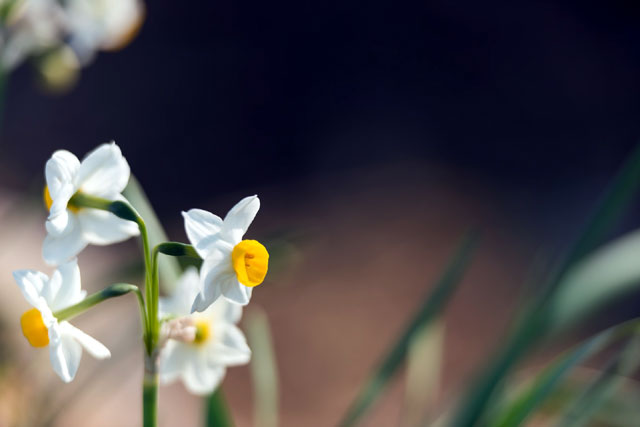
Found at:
(217, 413)
(430, 309)
(169, 268)
(602, 277)
(264, 372)
(544, 384)
(534, 324)
(424, 365)
(624, 363)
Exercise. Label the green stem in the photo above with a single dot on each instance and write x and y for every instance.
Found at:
(112, 291)
(167, 248)
(125, 211)
(150, 399)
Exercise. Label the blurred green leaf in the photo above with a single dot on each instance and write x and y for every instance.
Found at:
(430, 309)
(544, 384)
(169, 268)
(534, 324)
(623, 363)
(264, 370)
(217, 413)
(424, 364)
(602, 277)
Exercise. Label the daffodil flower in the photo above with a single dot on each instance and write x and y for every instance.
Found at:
(232, 266)
(42, 328)
(103, 173)
(199, 346)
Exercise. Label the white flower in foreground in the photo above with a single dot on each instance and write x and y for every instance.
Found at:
(199, 346)
(42, 329)
(103, 173)
(232, 266)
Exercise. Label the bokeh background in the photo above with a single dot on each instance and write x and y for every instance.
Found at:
(375, 134)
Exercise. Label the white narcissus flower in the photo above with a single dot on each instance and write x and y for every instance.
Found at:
(103, 173)
(42, 329)
(232, 266)
(199, 346)
(102, 24)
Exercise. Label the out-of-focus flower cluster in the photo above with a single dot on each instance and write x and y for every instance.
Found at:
(62, 36)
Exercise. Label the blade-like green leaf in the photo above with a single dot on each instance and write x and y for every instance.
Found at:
(534, 325)
(424, 365)
(624, 363)
(535, 393)
(216, 411)
(604, 276)
(168, 267)
(431, 308)
(264, 370)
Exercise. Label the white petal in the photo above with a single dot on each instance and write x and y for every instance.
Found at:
(104, 228)
(65, 355)
(240, 217)
(230, 348)
(31, 283)
(60, 172)
(92, 345)
(200, 378)
(226, 311)
(202, 228)
(215, 270)
(59, 249)
(104, 172)
(236, 292)
(65, 286)
(173, 359)
(180, 301)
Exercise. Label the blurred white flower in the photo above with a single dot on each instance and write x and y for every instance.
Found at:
(34, 27)
(102, 24)
(31, 27)
(42, 329)
(103, 173)
(199, 346)
(232, 266)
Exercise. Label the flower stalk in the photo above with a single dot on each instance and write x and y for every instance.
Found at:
(112, 291)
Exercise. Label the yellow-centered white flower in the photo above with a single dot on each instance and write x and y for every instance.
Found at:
(103, 173)
(199, 346)
(42, 329)
(232, 266)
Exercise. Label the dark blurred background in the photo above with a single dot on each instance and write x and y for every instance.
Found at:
(533, 95)
(380, 130)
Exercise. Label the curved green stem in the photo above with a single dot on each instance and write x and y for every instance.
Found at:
(112, 291)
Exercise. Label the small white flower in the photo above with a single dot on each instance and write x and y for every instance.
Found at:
(232, 266)
(42, 329)
(31, 26)
(103, 173)
(199, 346)
(102, 24)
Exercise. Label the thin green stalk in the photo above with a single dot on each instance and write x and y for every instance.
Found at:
(150, 399)
(171, 249)
(430, 309)
(112, 291)
(217, 413)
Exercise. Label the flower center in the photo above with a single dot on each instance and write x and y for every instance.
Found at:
(203, 331)
(34, 329)
(250, 261)
(49, 201)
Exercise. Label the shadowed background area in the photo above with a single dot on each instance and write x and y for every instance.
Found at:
(375, 133)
